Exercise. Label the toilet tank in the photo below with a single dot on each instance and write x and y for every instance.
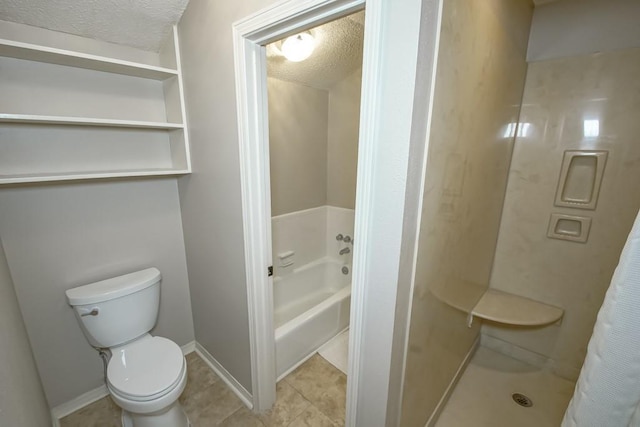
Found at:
(117, 310)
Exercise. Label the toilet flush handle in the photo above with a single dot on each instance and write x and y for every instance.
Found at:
(93, 312)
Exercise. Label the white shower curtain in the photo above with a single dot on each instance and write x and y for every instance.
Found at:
(608, 391)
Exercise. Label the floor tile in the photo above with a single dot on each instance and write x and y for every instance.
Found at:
(209, 402)
(212, 405)
(289, 404)
(312, 417)
(199, 376)
(323, 385)
(101, 413)
(243, 417)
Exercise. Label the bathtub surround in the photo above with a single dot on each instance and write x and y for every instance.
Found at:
(310, 292)
(479, 81)
(311, 235)
(60, 236)
(22, 400)
(560, 96)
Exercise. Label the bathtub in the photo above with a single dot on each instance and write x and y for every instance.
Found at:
(311, 306)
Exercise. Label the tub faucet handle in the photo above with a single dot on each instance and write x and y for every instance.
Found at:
(344, 251)
(347, 239)
(339, 237)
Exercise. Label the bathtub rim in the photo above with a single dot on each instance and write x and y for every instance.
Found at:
(290, 325)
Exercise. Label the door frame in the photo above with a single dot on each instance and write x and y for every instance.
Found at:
(390, 64)
(249, 36)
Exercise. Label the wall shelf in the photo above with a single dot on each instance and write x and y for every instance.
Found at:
(85, 121)
(31, 52)
(515, 310)
(56, 123)
(71, 176)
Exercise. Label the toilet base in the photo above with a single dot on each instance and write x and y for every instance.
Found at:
(174, 416)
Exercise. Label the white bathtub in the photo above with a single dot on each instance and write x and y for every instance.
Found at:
(311, 306)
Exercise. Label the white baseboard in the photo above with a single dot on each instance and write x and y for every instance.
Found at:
(228, 379)
(97, 393)
(189, 347)
(79, 402)
(452, 385)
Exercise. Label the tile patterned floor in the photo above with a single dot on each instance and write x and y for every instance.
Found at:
(482, 397)
(313, 395)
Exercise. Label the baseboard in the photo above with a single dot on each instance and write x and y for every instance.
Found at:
(189, 347)
(228, 379)
(79, 402)
(97, 393)
(452, 385)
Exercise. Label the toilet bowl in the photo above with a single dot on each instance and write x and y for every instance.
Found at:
(145, 374)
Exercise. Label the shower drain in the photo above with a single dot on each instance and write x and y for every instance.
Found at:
(522, 400)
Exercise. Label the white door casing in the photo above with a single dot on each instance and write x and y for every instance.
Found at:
(390, 63)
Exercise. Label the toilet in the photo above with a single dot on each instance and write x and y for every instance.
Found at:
(145, 374)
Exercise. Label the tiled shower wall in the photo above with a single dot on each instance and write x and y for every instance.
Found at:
(479, 82)
(588, 102)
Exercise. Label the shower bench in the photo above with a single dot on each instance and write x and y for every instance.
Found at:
(503, 307)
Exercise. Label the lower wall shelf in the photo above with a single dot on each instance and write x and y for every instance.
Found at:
(515, 310)
(71, 176)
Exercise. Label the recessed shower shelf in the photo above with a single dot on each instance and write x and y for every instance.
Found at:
(512, 309)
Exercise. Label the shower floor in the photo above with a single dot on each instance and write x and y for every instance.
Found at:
(482, 397)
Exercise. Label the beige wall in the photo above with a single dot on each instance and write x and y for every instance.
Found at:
(342, 144)
(481, 71)
(60, 236)
(313, 142)
(22, 401)
(559, 95)
(210, 197)
(298, 126)
(578, 27)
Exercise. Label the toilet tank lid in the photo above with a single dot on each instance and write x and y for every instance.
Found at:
(115, 287)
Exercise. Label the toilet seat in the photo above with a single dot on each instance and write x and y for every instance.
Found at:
(145, 369)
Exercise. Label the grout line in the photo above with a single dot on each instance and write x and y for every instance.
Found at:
(308, 400)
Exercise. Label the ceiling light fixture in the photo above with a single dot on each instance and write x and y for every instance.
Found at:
(299, 47)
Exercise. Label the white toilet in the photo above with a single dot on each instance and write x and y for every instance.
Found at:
(145, 374)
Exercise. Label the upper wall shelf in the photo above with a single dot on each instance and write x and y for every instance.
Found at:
(119, 119)
(19, 50)
(515, 310)
(82, 121)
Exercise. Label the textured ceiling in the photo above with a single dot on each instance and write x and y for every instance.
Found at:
(338, 53)
(144, 24)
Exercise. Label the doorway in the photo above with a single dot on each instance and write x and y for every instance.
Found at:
(390, 56)
(313, 83)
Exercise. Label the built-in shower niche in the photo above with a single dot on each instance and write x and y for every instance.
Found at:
(569, 227)
(580, 179)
